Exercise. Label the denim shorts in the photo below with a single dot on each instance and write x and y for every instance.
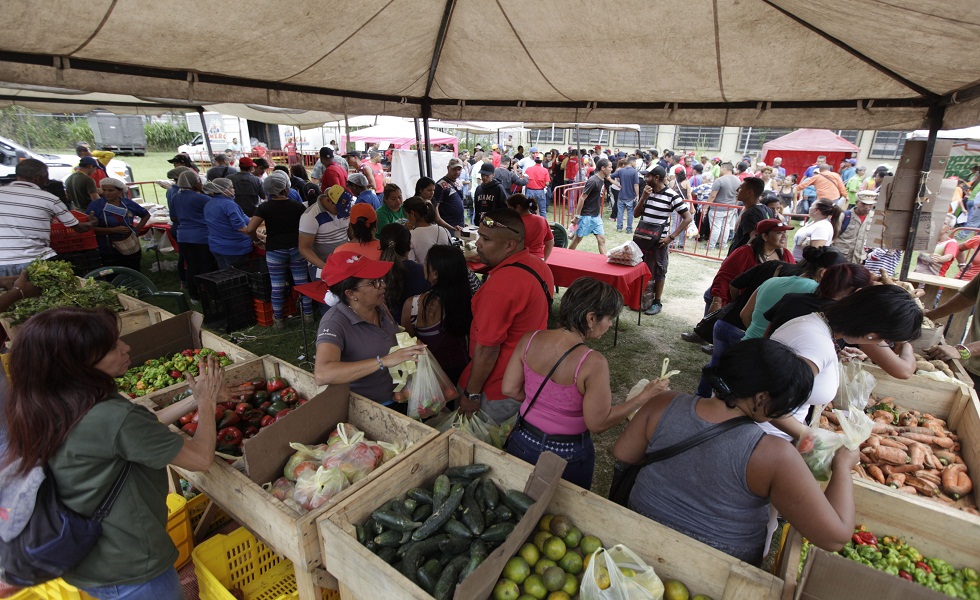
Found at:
(589, 225)
(580, 456)
(163, 587)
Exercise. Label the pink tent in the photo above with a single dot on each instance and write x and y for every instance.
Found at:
(401, 134)
(801, 148)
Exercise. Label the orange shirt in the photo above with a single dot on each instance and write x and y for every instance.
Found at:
(829, 185)
(370, 250)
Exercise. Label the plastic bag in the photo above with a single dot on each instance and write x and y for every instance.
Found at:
(429, 389)
(280, 489)
(628, 254)
(817, 447)
(442, 422)
(855, 388)
(477, 425)
(316, 488)
(638, 582)
(353, 456)
(304, 454)
(500, 433)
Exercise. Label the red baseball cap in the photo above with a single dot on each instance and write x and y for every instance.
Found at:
(767, 225)
(246, 162)
(341, 265)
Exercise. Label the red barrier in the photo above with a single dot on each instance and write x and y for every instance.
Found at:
(565, 197)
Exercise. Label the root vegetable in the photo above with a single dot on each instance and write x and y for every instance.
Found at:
(929, 439)
(883, 416)
(884, 429)
(907, 420)
(831, 417)
(908, 490)
(956, 482)
(901, 468)
(896, 480)
(894, 443)
(928, 475)
(917, 454)
(923, 487)
(921, 431)
(865, 459)
(876, 473)
(924, 365)
(947, 457)
(892, 456)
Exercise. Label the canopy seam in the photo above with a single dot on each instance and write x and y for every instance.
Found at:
(98, 29)
(721, 80)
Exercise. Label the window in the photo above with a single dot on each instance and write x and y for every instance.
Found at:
(647, 138)
(698, 138)
(851, 135)
(751, 139)
(888, 144)
(548, 136)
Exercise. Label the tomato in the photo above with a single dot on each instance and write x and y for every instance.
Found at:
(275, 383)
(189, 428)
(188, 417)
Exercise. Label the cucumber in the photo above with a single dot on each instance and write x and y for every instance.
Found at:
(440, 491)
(395, 521)
(455, 545)
(490, 493)
(420, 495)
(478, 548)
(447, 580)
(457, 529)
(440, 515)
(478, 553)
(361, 533)
(406, 538)
(410, 505)
(503, 513)
(497, 533)
(428, 575)
(468, 471)
(490, 518)
(423, 512)
(398, 507)
(519, 502)
(370, 545)
(423, 548)
(387, 554)
(375, 528)
(472, 517)
(388, 539)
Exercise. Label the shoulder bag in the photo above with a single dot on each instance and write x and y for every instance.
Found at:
(129, 244)
(54, 538)
(624, 475)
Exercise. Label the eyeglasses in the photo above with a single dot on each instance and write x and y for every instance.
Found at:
(490, 222)
(375, 283)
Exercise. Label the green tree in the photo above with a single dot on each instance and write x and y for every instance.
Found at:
(165, 137)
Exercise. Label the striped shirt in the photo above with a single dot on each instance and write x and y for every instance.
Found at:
(658, 206)
(26, 212)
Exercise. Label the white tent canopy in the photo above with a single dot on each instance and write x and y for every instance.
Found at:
(814, 63)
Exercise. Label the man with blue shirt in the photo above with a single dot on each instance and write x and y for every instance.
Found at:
(362, 190)
(629, 182)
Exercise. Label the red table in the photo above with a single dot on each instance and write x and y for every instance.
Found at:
(569, 265)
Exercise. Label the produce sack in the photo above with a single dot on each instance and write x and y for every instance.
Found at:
(401, 372)
(316, 488)
(429, 388)
(604, 579)
(628, 254)
(352, 456)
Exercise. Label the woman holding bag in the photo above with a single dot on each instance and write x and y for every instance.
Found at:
(113, 215)
(562, 409)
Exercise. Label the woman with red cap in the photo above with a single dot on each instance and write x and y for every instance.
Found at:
(356, 334)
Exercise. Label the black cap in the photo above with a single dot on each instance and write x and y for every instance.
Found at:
(486, 169)
(180, 159)
(656, 171)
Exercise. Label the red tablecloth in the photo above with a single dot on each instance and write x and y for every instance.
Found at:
(569, 265)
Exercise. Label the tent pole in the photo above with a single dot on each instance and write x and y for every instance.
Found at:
(204, 128)
(936, 114)
(347, 130)
(418, 147)
(428, 147)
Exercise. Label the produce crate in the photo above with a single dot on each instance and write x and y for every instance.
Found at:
(179, 528)
(239, 561)
(918, 380)
(82, 262)
(65, 239)
(226, 299)
(52, 590)
(280, 527)
(265, 315)
(958, 406)
(259, 281)
(195, 511)
(364, 576)
(135, 315)
(952, 538)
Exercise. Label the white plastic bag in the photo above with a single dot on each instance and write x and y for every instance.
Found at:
(629, 577)
(818, 446)
(628, 254)
(429, 389)
(855, 388)
(316, 488)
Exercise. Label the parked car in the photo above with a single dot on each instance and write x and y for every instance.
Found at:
(60, 166)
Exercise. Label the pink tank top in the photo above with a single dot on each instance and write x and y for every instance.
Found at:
(558, 410)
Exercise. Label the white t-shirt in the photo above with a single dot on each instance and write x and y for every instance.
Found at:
(329, 231)
(809, 337)
(26, 212)
(814, 230)
(424, 238)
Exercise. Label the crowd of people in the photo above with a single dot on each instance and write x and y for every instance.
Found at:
(379, 262)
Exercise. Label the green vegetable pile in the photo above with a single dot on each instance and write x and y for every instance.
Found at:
(892, 555)
(159, 373)
(60, 287)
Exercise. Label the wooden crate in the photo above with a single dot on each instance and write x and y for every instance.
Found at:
(923, 382)
(952, 537)
(283, 529)
(956, 404)
(364, 576)
(135, 315)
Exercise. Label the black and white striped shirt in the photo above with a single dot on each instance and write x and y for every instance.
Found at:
(26, 212)
(658, 206)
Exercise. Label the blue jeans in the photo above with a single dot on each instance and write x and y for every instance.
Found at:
(540, 198)
(625, 206)
(228, 260)
(726, 335)
(13, 270)
(280, 263)
(580, 456)
(162, 587)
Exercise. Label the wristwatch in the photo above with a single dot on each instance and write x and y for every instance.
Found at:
(474, 397)
(965, 353)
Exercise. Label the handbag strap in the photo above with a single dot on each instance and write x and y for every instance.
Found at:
(680, 447)
(548, 377)
(110, 498)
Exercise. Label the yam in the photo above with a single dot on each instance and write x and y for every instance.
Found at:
(924, 365)
(896, 480)
(956, 482)
(876, 473)
(908, 490)
(893, 456)
(894, 443)
(883, 416)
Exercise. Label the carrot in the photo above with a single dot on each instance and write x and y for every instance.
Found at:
(902, 468)
(917, 454)
(876, 473)
(923, 487)
(883, 416)
(892, 456)
(956, 482)
(894, 443)
(918, 431)
(947, 457)
(896, 480)
(908, 490)
(883, 429)
(929, 439)
(928, 475)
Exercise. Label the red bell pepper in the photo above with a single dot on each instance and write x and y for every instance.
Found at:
(275, 383)
(220, 354)
(905, 575)
(228, 405)
(189, 428)
(301, 401)
(864, 538)
(923, 566)
(289, 395)
(230, 435)
(242, 407)
(258, 384)
(267, 420)
(250, 431)
(176, 374)
(282, 413)
(228, 419)
(187, 352)
(188, 417)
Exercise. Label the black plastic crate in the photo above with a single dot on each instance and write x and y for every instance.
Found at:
(226, 299)
(257, 271)
(82, 262)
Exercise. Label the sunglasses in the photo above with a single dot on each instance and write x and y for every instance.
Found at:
(490, 222)
(375, 283)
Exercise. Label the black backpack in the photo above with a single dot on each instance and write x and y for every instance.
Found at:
(54, 538)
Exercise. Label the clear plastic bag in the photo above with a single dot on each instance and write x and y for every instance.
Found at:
(353, 456)
(619, 574)
(628, 254)
(500, 433)
(429, 388)
(280, 489)
(304, 454)
(478, 425)
(855, 388)
(817, 447)
(316, 488)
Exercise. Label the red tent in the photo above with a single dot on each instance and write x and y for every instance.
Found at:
(801, 148)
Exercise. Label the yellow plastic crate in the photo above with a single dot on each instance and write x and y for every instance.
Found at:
(239, 561)
(179, 528)
(52, 590)
(195, 509)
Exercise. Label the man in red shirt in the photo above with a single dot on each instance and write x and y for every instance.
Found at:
(496, 156)
(537, 180)
(514, 299)
(333, 174)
